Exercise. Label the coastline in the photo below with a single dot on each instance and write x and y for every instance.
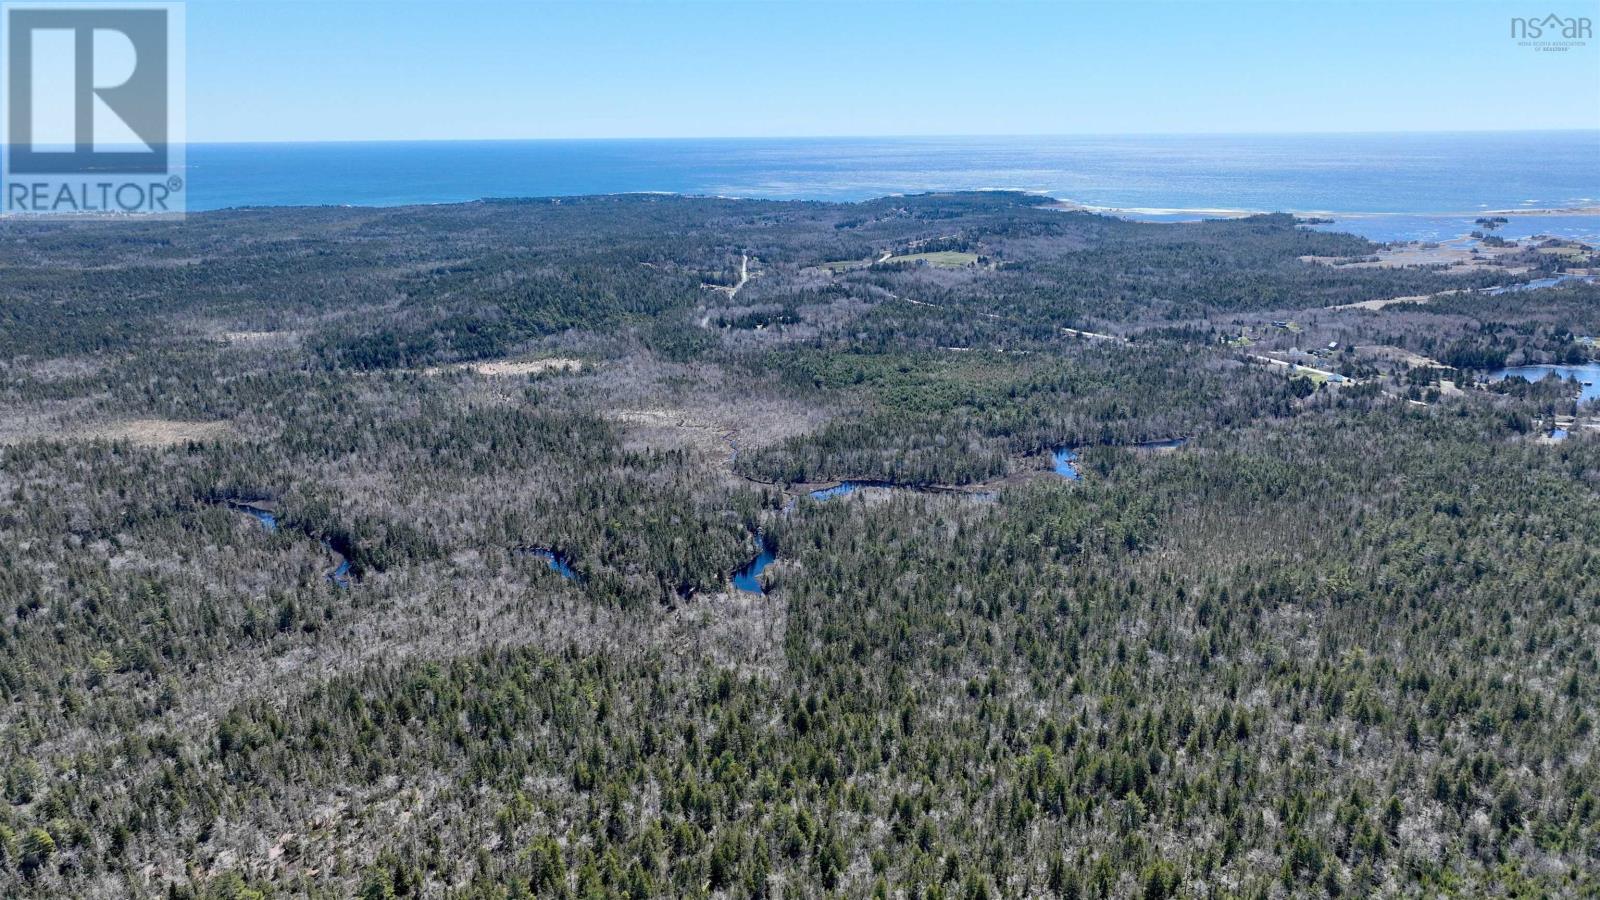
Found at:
(1173, 175)
(1570, 222)
(1234, 213)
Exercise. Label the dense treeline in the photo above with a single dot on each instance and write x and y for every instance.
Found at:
(1507, 331)
(1341, 643)
(479, 280)
(979, 698)
(956, 418)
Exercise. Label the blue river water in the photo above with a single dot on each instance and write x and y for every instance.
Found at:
(341, 573)
(269, 520)
(1066, 463)
(747, 577)
(1064, 460)
(556, 562)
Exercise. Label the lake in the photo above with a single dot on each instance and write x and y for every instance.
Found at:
(1588, 376)
(1536, 284)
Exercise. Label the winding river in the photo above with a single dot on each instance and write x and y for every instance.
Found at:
(341, 574)
(1066, 458)
(747, 579)
(1065, 463)
(267, 519)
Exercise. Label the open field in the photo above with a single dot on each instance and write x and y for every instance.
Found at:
(1385, 302)
(945, 259)
(505, 368)
(153, 433)
(1460, 254)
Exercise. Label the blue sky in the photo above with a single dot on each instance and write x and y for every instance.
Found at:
(357, 70)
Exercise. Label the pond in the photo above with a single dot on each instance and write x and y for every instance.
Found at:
(1587, 376)
(1066, 463)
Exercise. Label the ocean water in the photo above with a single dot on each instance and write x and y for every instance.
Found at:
(1385, 186)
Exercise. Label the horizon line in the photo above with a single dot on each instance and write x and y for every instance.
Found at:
(863, 137)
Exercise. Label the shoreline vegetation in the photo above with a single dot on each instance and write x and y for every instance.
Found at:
(1217, 582)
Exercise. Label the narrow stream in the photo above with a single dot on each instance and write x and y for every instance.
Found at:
(340, 575)
(1066, 458)
(267, 519)
(746, 577)
(559, 563)
(1158, 446)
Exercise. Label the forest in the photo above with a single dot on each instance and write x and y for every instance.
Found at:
(389, 552)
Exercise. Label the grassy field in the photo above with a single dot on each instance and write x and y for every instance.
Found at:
(945, 259)
(1562, 251)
